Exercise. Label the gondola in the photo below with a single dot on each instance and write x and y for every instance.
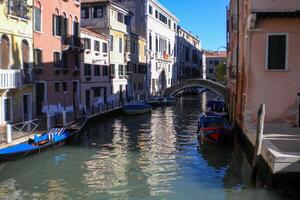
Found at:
(54, 138)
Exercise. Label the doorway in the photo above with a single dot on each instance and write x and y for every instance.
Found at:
(27, 111)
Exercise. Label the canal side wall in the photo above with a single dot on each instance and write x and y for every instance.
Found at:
(272, 170)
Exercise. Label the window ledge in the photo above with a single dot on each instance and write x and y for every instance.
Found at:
(39, 32)
(276, 70)
(18, 18)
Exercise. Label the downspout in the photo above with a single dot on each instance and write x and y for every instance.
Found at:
(237, 56)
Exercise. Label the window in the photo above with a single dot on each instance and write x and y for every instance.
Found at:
(111, 43)
(105, 70)
(85, 13)
(216, 62)
(97, 70)
(18, 8)
(150, 41)
(37, 19)
(37, 54)
(174, 26)
(120, 45)
(87, 70)
(211, 71)
(163, 18)
(56, 87)
(65, 86)
(150, 10)
(7, 109)
(121, 70)
(277, 52)
(156, 44)
(98, 12)
(169, 23)
(156, 14)
(211, 62)
(97, 92)
(57, 25)
(96, 45)
(4, 52)
(112, 70)
(87, 43)
(120, 17)
(133, 47)
(56, 59)
(104, 47)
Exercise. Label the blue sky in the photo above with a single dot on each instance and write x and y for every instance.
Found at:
(205, 18)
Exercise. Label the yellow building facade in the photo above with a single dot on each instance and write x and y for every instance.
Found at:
(16, 62)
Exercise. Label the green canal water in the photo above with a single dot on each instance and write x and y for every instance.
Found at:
(153, 156)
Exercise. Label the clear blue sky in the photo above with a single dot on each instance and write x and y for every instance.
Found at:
(205, 18)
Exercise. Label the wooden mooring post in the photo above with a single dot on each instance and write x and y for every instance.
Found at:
(258, 142)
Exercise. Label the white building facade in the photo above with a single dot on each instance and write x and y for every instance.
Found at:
(95, 82)
(161, 27)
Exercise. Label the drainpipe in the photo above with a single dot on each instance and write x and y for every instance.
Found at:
(299, 109)
(237, 55)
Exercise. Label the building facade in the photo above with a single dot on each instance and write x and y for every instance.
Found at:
(95, 82)
(213, 60)
(263, 66)
(113, 20)
(137, 68)
(189, 57)
(158, 25)
(17, 98)
(57, 48)
(161, 33)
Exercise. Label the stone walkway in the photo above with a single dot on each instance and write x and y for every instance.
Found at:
(280, 147)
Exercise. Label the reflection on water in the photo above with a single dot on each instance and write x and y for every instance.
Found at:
(153, 156)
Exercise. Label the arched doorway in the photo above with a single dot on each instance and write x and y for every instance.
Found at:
(162, 81)
(5, 52)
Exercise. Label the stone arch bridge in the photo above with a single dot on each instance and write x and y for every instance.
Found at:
(212, 85)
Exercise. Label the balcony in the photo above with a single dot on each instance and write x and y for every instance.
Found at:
(71, 43)
(275, 5)
(10, 79)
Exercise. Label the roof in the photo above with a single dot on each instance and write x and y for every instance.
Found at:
(106, 1)
(93, 33)
(215, 54)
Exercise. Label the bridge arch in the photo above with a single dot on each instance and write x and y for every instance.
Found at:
(214, 86)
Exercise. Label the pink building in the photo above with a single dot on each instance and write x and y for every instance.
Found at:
(57, 46)
(263, 60)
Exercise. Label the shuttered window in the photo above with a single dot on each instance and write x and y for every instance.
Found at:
(57, 25)
(87, 70)
(37, 19)
(277, 52)
(98, 12)
(56, 59)
(104, 47)
(38, 60)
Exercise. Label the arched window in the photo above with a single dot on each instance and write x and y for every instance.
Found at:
(64, 25)
(38, 17)
(5, 52)
(25, 54)
(76, 28)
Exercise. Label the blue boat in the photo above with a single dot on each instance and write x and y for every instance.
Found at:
(214, 128)
(54, 138)
(136, 108)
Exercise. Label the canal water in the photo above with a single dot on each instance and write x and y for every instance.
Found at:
(152, 156)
